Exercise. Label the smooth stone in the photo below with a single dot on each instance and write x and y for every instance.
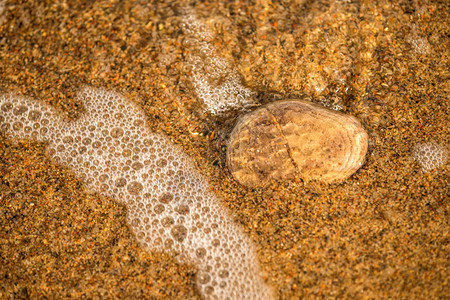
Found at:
(289, 138)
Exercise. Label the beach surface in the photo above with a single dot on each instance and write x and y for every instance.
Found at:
(383, 233)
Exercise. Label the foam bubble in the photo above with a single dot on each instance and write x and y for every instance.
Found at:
(430, 155)
(170, 206)
(215, 81)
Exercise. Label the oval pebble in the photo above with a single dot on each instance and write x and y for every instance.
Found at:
(289, 138)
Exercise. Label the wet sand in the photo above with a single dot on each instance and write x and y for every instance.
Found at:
(383, 233)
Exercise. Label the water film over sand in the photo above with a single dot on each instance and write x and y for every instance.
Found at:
(382, 233)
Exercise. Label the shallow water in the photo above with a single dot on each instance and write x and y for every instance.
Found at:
(383, 233)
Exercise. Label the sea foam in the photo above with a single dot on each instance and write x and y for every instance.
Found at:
(216, 83)
(430, 155)
(170, 205)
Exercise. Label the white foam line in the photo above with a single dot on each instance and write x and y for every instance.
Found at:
(216, 83)
(170, 206)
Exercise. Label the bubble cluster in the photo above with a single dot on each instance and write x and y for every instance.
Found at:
(170, 206)
(214, 80)
(430, 155)
(419, 45)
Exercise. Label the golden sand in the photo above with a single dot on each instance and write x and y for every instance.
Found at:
(384, 233)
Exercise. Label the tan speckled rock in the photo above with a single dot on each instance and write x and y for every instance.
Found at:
(295, 137)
